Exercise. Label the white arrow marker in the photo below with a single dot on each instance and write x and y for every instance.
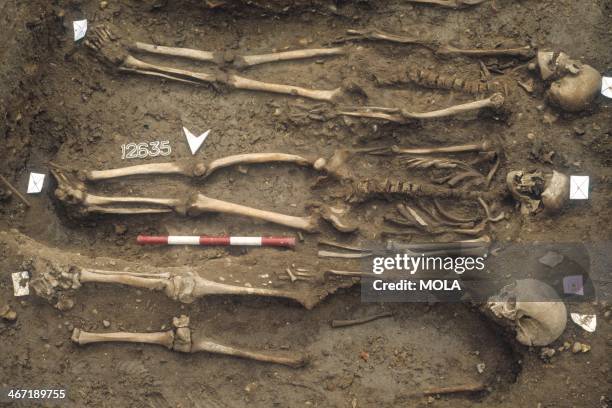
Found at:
(195, 141)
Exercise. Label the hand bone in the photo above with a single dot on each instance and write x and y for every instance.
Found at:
(402, 116)
(182, 339)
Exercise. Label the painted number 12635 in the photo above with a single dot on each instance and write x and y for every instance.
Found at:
(142, 150)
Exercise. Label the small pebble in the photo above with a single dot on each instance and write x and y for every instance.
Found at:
(7, 313)
(106, 323)
(546, 353)
(480, 367)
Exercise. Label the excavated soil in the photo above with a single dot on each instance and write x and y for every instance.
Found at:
(61, 105)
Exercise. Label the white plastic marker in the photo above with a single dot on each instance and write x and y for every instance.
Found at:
(195, 141)
(606, 86)
(36, 183)
(587, 322)
(288, 242)
(579, 187)
(80, 29)
(21, 283)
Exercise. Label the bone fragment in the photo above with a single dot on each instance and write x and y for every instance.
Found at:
(474, 147)
(354, 322)
(525, 52)
(14, 190)
(466, 388)
(331, 254)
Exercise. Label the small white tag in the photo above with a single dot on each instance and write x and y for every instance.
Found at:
(606, 86)
(195, 141)
(80, 29)
(579, 187)
(36, 183)
(21, 285)
(587, 322)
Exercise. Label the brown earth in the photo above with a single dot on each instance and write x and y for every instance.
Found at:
(60, 104)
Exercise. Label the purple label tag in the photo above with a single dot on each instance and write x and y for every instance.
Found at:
(573, 285)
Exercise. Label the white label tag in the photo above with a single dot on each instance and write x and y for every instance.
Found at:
(36, 183)
(21, 285)
(606, 86)
(195, 142)
(80, 29)
(579, 187)
(587, 322)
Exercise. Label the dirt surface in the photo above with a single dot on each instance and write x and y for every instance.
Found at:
(61, 105)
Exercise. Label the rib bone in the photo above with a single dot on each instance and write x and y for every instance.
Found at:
(402, 116)
(182, 339)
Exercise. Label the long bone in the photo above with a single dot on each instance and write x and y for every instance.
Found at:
(181, 284)
(495, 101)
(201, 170)
(525, 52)
(103, 42)
(238, 61)
(193, 205)
(473, 147)
(184, 340)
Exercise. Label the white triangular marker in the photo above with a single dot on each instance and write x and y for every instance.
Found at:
(80, 29)
(195, 141)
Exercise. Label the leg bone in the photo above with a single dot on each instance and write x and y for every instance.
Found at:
(198, 170)
(182, 339)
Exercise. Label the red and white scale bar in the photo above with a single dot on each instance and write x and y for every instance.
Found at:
(288, 242)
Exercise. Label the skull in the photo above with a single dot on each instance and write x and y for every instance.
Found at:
(576, 84)
(535, 191)
(527, 189)
(533, 309)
